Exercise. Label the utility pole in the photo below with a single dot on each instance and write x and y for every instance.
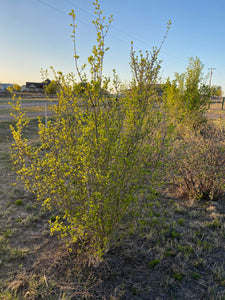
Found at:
(210, 75)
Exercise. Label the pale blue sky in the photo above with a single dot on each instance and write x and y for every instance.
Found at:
(35, 34)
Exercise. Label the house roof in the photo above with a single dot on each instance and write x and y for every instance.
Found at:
(34, 85)
(46, 82)
(38, 85)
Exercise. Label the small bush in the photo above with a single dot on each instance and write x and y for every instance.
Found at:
(174, 234)
(216, 223)
(180, 222)
(169, 254)
(99, 150)
(19, 202)
(178, 276)
(154, 262)
(196, 275)
(198, 162)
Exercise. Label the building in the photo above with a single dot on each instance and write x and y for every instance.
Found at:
(36, 87)
(5, 86)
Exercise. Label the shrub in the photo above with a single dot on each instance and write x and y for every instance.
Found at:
(188, 97)
(178, 276)
(199, 162)
(153, 263)
(19, 202)
(98, 151)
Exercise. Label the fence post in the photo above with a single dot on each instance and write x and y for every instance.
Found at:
(223, 102)
(46, 115)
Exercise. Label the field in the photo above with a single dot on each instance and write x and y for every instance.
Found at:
(216, 111)
(179, 255)
(33, 106)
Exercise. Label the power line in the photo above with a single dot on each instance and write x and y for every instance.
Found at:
(210, 75)
(80, 8)
(124, 33)
(123, 36)
(59, 10)
(51, 6)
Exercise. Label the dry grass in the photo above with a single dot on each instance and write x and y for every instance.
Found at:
(176, 253)
(32, 106)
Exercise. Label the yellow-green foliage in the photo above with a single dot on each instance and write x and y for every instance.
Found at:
(97, 151)
(52, 87)
(196, 161)
(187, 97)
(216, 91)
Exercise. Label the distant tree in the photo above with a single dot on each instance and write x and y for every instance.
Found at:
(17, 87)
(14, 89)
(216, 91)
(52, 87)
(188, 96)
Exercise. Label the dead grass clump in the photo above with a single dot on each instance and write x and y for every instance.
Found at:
(198, 162)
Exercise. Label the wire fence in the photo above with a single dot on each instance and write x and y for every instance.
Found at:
(33, 109)
(217, 103)
(43, 108)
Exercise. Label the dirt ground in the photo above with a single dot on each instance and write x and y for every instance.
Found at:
(178, 255)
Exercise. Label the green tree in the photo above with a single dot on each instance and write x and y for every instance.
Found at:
(216, 91)
(14, 89)
(188, 97)
(52, 87)
(17, 87)
(97, 155)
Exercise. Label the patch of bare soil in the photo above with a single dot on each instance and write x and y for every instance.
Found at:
(216, 114)
(177, 253)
